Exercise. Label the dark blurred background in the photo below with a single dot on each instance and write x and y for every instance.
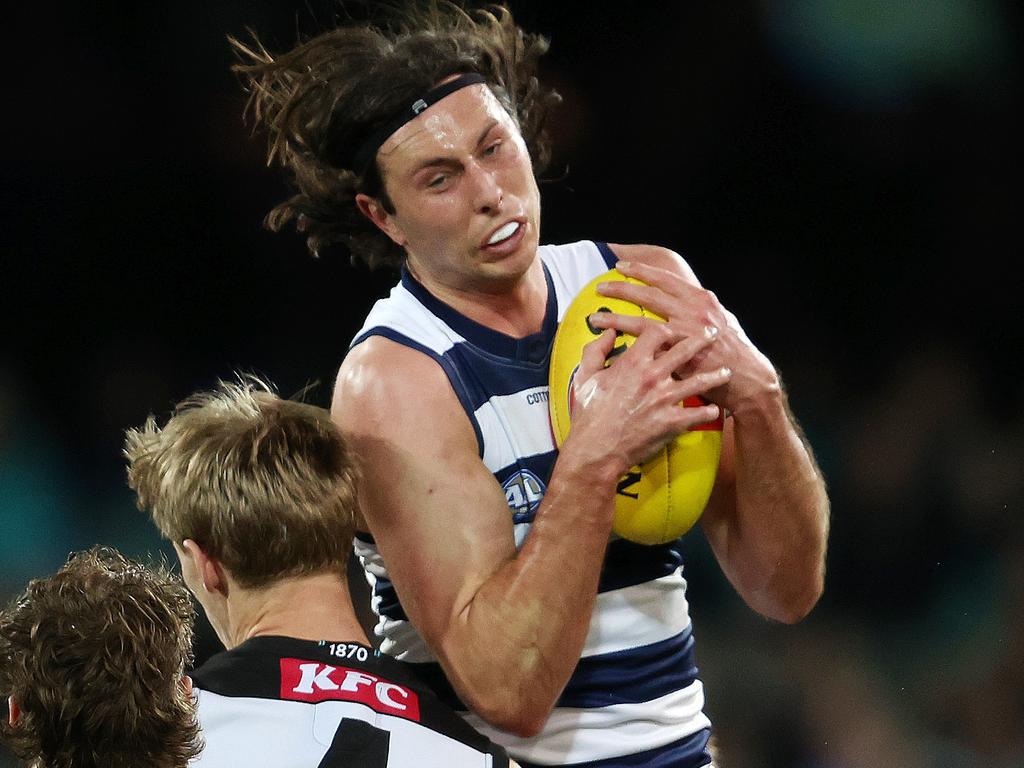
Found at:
(839, 172)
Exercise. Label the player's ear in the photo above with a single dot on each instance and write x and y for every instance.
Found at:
(208, 571)
(374, 210)
(13, 711)
(186, 683)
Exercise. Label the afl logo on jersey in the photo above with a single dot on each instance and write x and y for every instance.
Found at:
(523, 492)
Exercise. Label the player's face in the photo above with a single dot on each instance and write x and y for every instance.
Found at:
(467, 208)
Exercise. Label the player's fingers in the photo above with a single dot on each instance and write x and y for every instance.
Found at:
(653, 298)
(699, 384)
(660, 290)
(686, 349)
(595, 353)
(667, 279)
(652, 335)
(679, 417)
(690, 417)
(637, 326)
(630, 324)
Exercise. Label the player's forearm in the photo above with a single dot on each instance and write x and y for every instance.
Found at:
(772, 545)
(516, 643)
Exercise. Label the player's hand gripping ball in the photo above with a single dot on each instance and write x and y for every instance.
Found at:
(661, 499)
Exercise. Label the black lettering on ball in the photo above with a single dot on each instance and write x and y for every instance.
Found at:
(627, 482)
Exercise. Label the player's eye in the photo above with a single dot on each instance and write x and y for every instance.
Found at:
(492, 149)
(437, 181)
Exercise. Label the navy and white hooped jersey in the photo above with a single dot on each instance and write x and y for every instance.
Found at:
(286, 703)
(634, 698)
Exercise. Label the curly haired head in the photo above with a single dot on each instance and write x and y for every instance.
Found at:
(320, 101)
(265, 485)
(94, 657)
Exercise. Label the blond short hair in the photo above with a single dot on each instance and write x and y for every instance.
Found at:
(263, 484)
(94, 656)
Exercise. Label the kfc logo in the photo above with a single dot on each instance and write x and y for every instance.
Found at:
(314, 682)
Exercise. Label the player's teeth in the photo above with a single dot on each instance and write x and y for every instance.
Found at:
(504, 232)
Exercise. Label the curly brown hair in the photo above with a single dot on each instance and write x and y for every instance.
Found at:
(321, 100)
(94, 657)
(265, 485)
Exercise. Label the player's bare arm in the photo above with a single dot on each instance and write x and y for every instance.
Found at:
(767, 519)
(508, 627)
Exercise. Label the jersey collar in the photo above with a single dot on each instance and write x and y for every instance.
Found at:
(533, 348)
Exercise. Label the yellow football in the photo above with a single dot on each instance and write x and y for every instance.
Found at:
(661, 499)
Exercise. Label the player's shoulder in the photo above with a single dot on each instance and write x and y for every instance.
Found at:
(264, 666)
(381, 369)
(379, 365)
(239, 671)
(384, 386)
(656, 256)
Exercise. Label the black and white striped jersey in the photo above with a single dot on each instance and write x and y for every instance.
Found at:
(286, 703)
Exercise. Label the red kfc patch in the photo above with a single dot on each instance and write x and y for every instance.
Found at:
(314, 681)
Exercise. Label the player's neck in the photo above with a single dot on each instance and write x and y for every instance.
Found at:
(513, 306)
(316, 607)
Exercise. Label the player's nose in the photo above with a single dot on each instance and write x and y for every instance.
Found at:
(487, 190)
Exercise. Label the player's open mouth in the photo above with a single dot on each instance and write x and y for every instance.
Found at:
(507, 235)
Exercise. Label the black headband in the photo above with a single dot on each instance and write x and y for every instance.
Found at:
(367, 151)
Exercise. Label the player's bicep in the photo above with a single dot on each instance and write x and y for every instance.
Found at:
(435, 511)
(440, 523)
